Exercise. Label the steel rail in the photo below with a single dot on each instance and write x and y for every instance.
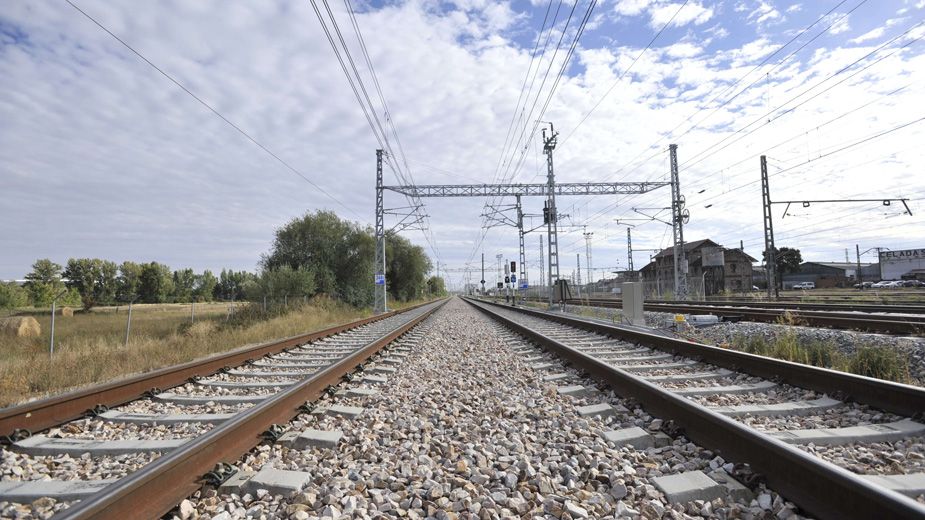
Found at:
(155, 489)
(866, 322)
(821, 488)
(46, 413)
(893, 397)
(845, 307)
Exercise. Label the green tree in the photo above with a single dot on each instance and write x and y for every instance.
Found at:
(12, 296)
(184, 281)
(205, 285)
(339, 253)
(44, 282)
(436, 286)
(406, 268)
(155, 284)
(231, 285)
(128, 281)
(786, 260)
(94, 280)
(281, 282)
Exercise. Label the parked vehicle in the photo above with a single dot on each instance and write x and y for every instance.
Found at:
(805, 285)
(863, 285)
(880, 285)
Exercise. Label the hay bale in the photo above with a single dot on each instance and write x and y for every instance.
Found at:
(20, 327)
(65, 311)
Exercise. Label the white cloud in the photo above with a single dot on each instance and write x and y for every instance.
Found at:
(693, 12)
(795, 8)
(632, 7)
(100, 156)
(870, 35)
(843, 25)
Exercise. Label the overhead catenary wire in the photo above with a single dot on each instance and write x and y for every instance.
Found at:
(212, 109)
(623, 74)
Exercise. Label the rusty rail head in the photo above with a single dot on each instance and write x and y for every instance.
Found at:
(819, 487)
(157, 488)
(46, 413)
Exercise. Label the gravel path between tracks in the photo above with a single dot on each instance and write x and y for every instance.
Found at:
(466, 429)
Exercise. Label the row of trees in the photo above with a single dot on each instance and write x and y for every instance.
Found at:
(91, 281)
(318, 253)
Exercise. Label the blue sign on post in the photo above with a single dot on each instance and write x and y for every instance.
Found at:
(513, 278)
(523, 284)
(380, 279)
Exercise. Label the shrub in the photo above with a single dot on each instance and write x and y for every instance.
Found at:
(879, 362)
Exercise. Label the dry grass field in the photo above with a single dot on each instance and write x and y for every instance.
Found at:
(89, 346)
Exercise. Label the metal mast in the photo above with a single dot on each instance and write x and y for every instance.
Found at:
(629, 249)
(590, 272)
(542, 263)
(522, 274)
(578, 280)
(483, 273)
(677, 221)
(381, 305)
(769, 251)
(549, 144)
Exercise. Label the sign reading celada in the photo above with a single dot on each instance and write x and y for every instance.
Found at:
(894, 264)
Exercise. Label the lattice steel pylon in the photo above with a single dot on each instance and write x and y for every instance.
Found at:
(549, 189)
(677, 225)
(381, 304)
(542, 262)
(522, 276)
(769, 252)
(549, 144)
(629, 249)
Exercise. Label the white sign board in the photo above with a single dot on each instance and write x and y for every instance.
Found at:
(713, 257)
(894, 264)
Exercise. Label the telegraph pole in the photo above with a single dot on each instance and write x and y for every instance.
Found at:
(769, 252)
(549, 144)
(381, 305)
(677, 221)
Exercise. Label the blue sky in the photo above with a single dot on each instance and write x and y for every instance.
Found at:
(101, 156)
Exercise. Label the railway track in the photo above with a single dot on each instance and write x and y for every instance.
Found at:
(833, 316)
(838, 445)
(131, 450)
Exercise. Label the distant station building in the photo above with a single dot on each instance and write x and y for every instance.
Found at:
(712, 268)
(904, 264)
(831, 274)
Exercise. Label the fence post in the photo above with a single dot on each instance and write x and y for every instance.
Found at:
(51, 345)
(128, 324)
(192, 318)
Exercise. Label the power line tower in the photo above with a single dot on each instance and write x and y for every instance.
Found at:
(770, 260)
(629, 249)
(542, 263)
(523, 252)
(679, 218)
(381, 305)
(578, 280)
(483, 273)
(588, 235)
(549, 144)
